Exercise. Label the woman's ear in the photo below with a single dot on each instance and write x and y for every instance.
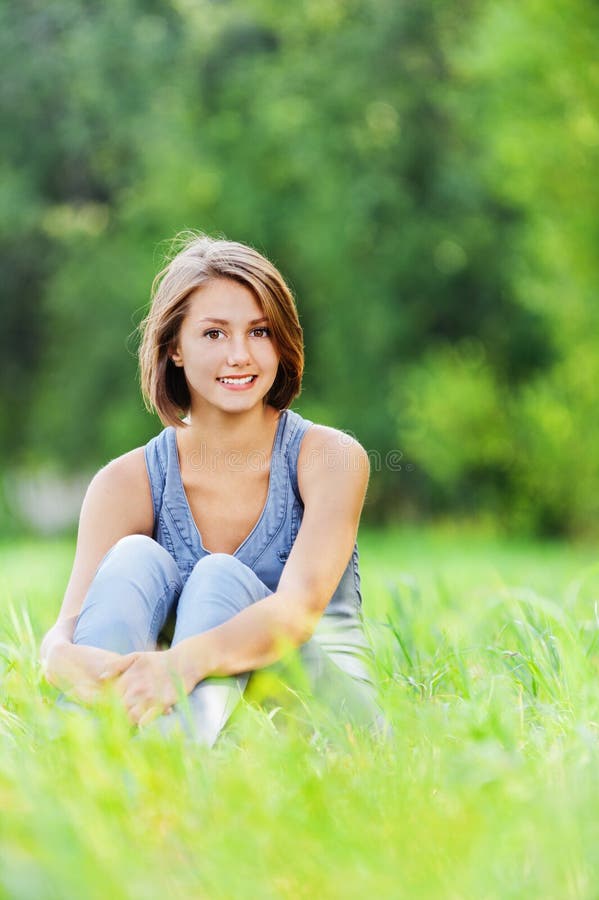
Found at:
(175, 355)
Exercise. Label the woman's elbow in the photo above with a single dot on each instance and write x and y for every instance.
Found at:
(307, 610)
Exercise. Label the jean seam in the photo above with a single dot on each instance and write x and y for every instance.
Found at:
(356, 572)
(183, 538)
(277, 531)
(160, 608)
(152, 484)
(169, 546)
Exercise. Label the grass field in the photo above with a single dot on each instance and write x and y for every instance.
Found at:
(488, 657)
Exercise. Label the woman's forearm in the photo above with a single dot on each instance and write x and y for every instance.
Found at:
(254, 638)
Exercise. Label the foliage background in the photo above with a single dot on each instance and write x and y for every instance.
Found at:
(422, 171)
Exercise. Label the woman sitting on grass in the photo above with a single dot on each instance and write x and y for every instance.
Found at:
(239, 519)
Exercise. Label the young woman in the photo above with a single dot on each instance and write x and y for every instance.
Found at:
(239, 518)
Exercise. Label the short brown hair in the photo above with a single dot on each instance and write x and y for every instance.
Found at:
(199, 259)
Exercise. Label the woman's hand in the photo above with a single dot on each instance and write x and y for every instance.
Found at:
(148, 683)
(76, 669)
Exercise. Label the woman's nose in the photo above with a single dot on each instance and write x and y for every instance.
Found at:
(239, 354)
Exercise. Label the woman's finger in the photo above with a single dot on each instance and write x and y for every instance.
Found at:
(136, 712)
(118, 666)
(149, 715)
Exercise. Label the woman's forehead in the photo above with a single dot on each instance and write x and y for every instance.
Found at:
(225, 300)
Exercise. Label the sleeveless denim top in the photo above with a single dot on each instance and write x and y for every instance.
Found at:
(267, 546)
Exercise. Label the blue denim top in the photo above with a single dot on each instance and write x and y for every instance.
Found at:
(267, 546)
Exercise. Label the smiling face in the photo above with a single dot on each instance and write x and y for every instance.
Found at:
(225, 348)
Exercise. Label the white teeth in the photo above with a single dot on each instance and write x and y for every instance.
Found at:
(237, 380)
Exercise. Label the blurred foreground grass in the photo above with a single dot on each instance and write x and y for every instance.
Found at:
(488, 658)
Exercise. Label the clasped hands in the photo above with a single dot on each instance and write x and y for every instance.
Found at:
(148, 683)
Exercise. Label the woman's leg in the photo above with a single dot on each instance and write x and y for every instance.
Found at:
(129, 598)
(219, 587)
(341, 665)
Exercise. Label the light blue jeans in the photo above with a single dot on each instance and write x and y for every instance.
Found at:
(138, 584)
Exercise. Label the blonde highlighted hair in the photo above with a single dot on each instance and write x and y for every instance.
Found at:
(200, 259)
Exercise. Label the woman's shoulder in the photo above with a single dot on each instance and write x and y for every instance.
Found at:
(120, 493)
(327, 452)
(332, 469)
(331, 440)
(313, 434)
(126, 472)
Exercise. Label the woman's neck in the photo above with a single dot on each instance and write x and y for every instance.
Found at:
(218, 432)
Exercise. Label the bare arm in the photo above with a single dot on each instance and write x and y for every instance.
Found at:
(333, 476)
(118, 502)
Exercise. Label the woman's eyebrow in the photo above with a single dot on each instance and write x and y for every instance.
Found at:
(225, 322)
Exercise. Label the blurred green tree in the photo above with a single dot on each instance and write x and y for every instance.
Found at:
(410, 168)
(533, 98)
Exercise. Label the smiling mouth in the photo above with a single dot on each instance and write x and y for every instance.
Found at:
(237, 379)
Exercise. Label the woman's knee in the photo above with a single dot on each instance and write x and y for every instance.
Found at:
(220, 574)
(219, 564)
(137, 566)
(139, 552)
(132, 592)
(219, 587)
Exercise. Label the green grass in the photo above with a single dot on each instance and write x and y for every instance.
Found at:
(487, 654)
